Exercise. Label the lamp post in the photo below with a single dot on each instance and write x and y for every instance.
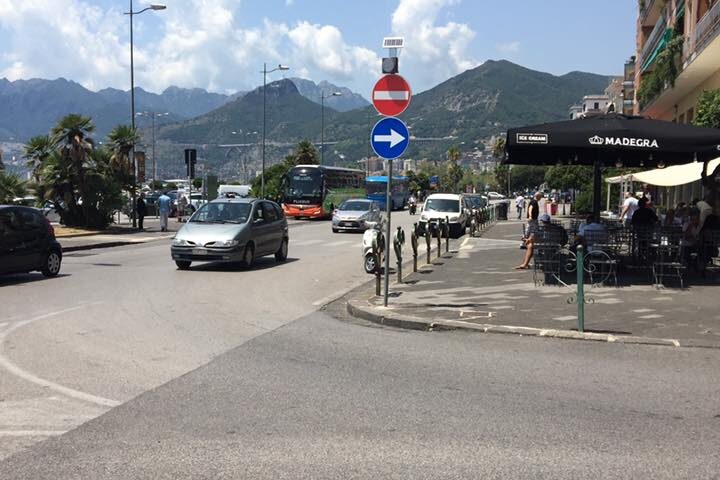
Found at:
(265, 71)
(131, 13)
(153, 115)
(322, 122)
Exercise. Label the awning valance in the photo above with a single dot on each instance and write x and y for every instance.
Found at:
(668, 177)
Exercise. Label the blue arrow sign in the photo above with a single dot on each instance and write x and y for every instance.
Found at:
(389, 138)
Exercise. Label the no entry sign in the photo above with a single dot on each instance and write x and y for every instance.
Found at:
(391, 95)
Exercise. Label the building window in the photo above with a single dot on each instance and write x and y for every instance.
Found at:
(596, 106)
(691, 115)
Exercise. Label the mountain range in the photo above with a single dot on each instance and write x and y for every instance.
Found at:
(465, 110)
(31, 107)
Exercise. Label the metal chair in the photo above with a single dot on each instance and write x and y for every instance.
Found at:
(600, 261)
(709, 257)
(668, 261)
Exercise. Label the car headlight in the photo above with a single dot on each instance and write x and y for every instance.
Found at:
(226, 243)
(423, 217)
(454, 219)
(180, 242)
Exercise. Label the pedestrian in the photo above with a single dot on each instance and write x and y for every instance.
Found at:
(164, 209)
(141, 210)
(547, 232)
(519, 205)
(182, 205)
(630, 205)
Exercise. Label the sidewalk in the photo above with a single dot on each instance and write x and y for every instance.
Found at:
(116, 235)
(475, 287)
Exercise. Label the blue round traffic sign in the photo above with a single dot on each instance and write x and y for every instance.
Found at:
(390, 138)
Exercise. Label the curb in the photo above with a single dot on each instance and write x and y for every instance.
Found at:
(384, 316)
(119, 243)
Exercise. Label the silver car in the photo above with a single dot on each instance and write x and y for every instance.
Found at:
(356, 215)
(232, 230)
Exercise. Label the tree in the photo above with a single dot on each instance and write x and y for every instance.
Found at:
(454, 173)
(708, 115)
(36, 152)
(526, 177)
(10, 187)
(121, 141)
(305, 154)
(197, 183)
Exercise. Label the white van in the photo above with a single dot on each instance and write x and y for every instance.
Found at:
(240, 191)
(444, 205)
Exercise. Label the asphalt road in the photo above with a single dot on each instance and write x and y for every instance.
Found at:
(223, 372)
(122, 320)
(322, 398)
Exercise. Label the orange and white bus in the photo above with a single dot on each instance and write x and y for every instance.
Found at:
(313, 191)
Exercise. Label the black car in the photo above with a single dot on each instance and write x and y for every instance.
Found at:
(27, 242)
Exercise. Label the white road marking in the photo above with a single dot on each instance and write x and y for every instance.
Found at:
(30, 433)
(652, 315)
(20, 373)
(465, 242)
(337, 244)
(304, 243)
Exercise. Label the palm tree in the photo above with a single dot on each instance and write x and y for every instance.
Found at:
(37, 151)
(71, 136)
(120, 142)
(10, 187)
(454, 172)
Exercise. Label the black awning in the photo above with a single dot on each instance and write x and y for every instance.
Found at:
(633, 141)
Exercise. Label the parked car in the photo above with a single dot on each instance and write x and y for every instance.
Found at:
(356, 215)
(27, 242)
(232, 229)
(441, 206)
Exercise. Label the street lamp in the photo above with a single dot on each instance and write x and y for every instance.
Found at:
(153, 115)
(132, 13)
(265, 71)
(322, 122)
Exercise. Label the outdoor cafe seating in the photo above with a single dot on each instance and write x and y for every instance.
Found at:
(620, 254)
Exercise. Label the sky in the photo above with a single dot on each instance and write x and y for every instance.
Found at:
(221, 45)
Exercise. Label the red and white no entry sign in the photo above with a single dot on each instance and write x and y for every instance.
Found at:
(391, 95)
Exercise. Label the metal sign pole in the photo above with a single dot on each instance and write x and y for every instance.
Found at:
(388, 235)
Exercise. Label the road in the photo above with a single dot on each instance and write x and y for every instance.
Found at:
(122, 320)
(223, 372)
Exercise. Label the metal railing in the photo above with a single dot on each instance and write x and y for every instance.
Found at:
(652, 41)
(649, 5)
(706, 29)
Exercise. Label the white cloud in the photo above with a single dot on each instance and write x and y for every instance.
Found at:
(322, 48)
(194, 43)
(509, 48)
(289, 2)
(434, 52)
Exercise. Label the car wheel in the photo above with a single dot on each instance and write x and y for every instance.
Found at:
(183, 264)
(51, 266)
(281, 254)
(335, 230)
(249, 255)
(369, 263)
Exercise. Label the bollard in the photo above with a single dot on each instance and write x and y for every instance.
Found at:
(447, 234)
(428, 241)
(438, 234)
(414, 244)
(376, 256)
(580, 290)
(398, 242)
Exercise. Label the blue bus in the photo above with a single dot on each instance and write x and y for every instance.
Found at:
(399, 191)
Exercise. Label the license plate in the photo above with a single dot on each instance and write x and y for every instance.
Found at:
(199, 251)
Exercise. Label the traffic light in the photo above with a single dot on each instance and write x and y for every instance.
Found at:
(190, 161)
(390, 65)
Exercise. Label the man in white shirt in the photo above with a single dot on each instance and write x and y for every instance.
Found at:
(629, 206)
(520, 205)
(705, 208)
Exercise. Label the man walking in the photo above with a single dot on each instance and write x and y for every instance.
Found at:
(629, 206)
(519, 205)
(164, 209)
(141, 210)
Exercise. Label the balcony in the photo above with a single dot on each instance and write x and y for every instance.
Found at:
(704, 32)
(649, 14)
(653, 40)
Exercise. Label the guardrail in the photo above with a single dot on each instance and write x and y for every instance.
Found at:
(705, 30)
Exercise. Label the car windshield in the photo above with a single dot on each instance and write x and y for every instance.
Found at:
(355, 206)
(442, 205)
(222, 213)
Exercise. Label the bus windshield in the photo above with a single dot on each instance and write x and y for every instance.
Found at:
(303, 183)
(376, 187)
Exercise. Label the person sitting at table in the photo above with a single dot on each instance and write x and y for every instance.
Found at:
(644, 216)
(547, 232)
(591, 232)
(671, 219)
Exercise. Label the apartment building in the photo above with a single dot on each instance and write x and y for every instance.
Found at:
(678, 56)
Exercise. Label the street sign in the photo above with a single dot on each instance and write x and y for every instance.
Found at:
(389, 138)
(391, 95)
